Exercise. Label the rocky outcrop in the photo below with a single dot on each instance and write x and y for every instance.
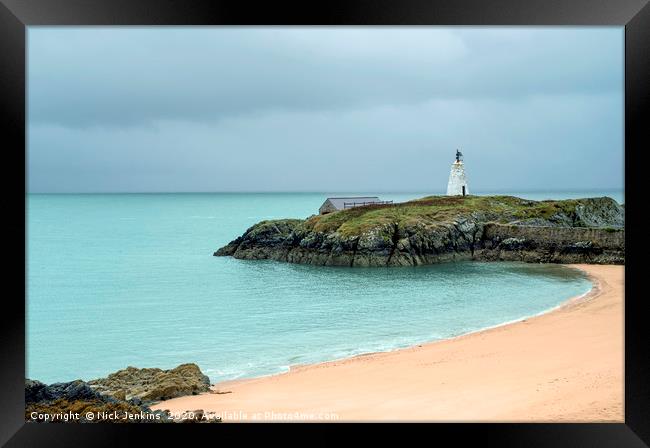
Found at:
(122, 397)
(552, 244)
(152, 384)
(433, 230)
(77, 402)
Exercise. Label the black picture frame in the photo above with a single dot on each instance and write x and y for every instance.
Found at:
(16, 15)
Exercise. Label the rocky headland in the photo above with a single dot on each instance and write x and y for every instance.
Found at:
(444, 228)
(122, 397)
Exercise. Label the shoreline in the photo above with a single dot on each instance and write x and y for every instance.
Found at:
(595, 289)
(308, 392)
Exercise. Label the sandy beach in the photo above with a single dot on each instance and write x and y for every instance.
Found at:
(562, 366)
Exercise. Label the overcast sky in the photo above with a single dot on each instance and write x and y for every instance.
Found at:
(324, 108)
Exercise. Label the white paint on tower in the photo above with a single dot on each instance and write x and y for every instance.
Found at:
(457, 185)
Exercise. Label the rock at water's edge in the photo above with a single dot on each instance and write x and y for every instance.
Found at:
(440, 229)
(122, 397)
(153, 384)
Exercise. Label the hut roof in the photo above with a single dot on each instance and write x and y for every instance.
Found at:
(340, 203)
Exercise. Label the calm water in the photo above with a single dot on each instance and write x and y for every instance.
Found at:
(118, 280)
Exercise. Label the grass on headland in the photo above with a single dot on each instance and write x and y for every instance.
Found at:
(432, 209)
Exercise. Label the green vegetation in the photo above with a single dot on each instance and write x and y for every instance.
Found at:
(432, 210)
(437, 228)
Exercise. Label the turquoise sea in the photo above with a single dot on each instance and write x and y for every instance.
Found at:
(129, 279)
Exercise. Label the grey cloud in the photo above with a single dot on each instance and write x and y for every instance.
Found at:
(126, 76)
(323, 109)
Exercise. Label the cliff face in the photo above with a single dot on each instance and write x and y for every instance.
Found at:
(436, 229)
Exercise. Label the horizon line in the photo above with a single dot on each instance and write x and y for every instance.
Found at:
(555, 190)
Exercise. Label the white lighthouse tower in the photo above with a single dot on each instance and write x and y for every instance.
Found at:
(457, 185)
